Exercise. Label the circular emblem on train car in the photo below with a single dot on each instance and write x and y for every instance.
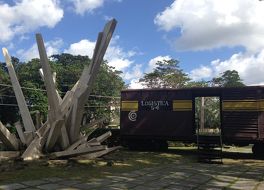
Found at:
(132, 116)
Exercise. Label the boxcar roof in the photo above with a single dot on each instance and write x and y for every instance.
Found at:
(209, 89)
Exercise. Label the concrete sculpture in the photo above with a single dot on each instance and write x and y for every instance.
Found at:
(62, 127)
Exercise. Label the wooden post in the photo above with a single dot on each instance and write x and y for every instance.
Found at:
(87, 79)
(9, 140)
(20, 132)
(38, 119)
(64, 139)
(100, 153)
(64, 115)
(53, 99)
(202, 114)
(54, 80)
(26, 118)
(34, 150)
(77, 152)
(55, 132)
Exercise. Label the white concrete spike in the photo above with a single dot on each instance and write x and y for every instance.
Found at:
(24, 111)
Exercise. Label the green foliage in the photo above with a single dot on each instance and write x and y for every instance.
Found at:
(151, 80)
(108, 83)
(68, 69)
(29, 72)
(211, 112)
(3, 75)
(8, 112)
(228, 79)
(34, 91)
(192, 84)
(167, 74)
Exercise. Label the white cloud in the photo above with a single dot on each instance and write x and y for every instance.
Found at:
(249, 66)
(134, 84)
(137, 72)
(207, 24)
(152, 62)
(27, 15)
(83, 47)
(23, 37)
(134, 73)
(52, 47)
(119, 58)
(107, 18)
(83, 6)
(203, 72)
(115, 55)
(119, 63)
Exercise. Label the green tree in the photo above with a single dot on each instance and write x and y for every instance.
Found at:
(228, 79)
(33, 86)
(192, 84)
(108, 83)
(3, 74)
(152, 80)
(167, 74)
(68, 69)
(211, 111)
(8, 108)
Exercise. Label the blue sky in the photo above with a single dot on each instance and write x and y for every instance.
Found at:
(206, 36)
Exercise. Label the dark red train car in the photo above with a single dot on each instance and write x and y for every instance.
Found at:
(159, 115)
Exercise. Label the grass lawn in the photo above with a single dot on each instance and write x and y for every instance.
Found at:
(117, 162)
(114, 163)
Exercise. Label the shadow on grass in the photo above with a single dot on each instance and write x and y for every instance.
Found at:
(82, 169)
(187, 151)
(182, 161)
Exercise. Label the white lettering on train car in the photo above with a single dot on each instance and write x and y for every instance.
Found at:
(155, 105)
